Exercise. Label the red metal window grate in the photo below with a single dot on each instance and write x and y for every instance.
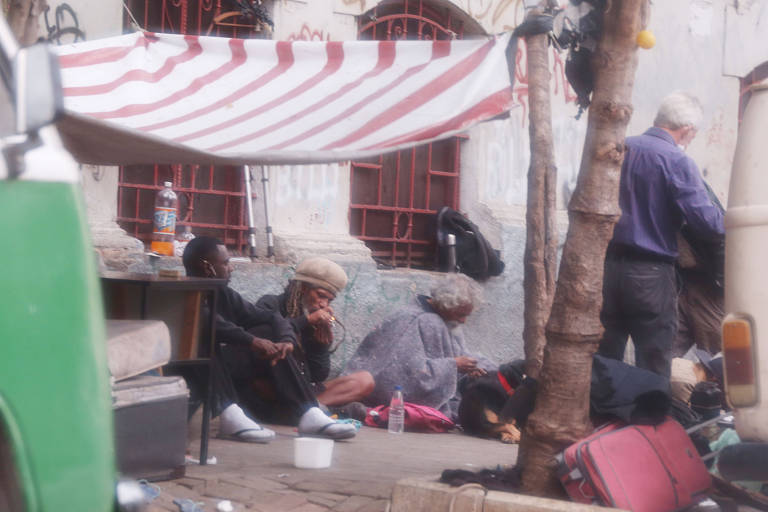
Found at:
(211, 201)
(394, 197)
(414, 19)
(224, 18)
(210, 198)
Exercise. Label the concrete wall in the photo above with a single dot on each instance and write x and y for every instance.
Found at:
(697, 49)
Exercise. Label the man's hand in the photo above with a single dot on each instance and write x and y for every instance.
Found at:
(321, 321)
(322, 316)
(477, 372)
(283, 349)
(265, 349)
(466, 364)
(273, 352)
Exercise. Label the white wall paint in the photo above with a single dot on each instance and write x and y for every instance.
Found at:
(310, 198)
(746, 41)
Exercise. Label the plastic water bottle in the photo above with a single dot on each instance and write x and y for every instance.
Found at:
(183, 240)
(396, 423)
(164, 221)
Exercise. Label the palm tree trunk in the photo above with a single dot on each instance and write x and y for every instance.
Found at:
(561, 415)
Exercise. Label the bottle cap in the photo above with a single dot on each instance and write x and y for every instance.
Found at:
(398, 388)
(167, 184)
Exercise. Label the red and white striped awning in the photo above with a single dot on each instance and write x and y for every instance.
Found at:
(145, 97)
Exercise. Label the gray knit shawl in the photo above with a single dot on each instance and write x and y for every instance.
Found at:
(414, 349)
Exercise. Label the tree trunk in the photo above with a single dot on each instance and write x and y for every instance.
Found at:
(561, 415)
(23, 18)
(541, 235)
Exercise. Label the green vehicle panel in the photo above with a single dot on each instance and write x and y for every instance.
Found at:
(54, 383)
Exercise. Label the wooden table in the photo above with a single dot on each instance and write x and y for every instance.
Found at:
(176, 301)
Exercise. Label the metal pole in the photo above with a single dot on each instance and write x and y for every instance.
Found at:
(249, 205)
(270, 238)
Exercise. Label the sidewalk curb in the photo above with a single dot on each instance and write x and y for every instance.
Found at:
(426, 494)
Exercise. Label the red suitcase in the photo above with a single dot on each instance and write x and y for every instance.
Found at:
(642, 468)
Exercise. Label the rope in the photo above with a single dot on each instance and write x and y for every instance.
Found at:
(130, 14)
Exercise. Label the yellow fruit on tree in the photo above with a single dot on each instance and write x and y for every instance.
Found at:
(646, 39)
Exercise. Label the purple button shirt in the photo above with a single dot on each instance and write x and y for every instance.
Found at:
(660, 189)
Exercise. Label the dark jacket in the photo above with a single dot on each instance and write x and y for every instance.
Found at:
(236, 316)
(315, 356)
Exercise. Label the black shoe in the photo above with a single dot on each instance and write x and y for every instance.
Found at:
(353, 410)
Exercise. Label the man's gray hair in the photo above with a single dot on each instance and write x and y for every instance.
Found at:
(454, 291)
(678, 110)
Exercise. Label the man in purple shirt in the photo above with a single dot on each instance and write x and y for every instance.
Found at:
(660, 190)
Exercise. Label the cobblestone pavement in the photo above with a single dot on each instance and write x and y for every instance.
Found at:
(361, 477)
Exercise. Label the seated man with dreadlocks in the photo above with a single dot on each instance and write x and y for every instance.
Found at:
(306, 304)
(253, 360)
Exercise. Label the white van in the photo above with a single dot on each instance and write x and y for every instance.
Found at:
(746, 295)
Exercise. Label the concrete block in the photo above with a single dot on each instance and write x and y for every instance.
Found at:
(422, 495)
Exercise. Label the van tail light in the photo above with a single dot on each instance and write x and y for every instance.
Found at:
(739, 359)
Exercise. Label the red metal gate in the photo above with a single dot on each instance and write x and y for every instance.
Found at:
(394, 197)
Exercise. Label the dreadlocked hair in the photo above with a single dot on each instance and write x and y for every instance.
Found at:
(293, 302)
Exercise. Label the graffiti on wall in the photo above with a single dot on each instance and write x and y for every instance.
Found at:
(507, 157)
(65, 27)
(559, 82)
(314, 186)
(491, 12)
(306, 33)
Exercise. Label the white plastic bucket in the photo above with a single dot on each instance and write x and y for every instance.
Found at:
(312, 452)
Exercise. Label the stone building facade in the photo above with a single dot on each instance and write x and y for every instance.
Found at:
(709, 47)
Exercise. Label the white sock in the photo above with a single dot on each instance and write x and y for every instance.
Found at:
(315, 422)
(233, 420)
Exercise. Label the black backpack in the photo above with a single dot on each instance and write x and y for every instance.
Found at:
(474, 255)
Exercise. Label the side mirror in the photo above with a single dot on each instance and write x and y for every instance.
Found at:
(37, 83)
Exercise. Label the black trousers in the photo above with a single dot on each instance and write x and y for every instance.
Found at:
(278, 393)
(196, 375)
(640, 300)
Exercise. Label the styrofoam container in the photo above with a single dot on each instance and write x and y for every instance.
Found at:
(312, 452)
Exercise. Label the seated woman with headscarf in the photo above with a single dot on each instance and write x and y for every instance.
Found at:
(422, 349)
